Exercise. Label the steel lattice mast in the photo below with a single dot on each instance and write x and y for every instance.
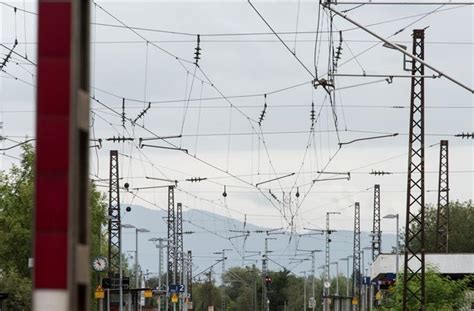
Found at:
(442, 215)
(114, 224)
(376, 233)
(356, 256)
(179, 244)
(171, 238)
(189, 276)
(414, 268)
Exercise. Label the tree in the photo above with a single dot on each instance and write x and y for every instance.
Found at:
(205, 294)
(442, 293)
(242, 288)
(461, 227)
(16, 223)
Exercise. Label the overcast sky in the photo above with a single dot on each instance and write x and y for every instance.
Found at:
(222, 136)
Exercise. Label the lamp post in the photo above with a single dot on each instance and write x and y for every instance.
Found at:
(137, 230)
(397, 246)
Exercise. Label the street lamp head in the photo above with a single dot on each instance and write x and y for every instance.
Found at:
(344, 259)
(350, 256)
(334, 263)
(142, 230)
(153, 239)
(391, 216)
(128, 226)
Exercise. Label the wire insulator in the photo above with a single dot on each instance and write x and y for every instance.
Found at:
(264, 111)
(465, 135)
(197, 52)
(380, 173)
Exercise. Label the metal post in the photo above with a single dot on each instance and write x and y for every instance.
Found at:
(336, 296)
(397, 261)
(120, 271)
(361, 284)
(136, 258)
(326, 290)
(265, 302)
(348, 303)
(160, 268)
(223, 306)
(180, 249)
(304, 290)
(223, 300)
(327, 276)
(313, 276)
(442, 215)
(414, 268)
(189, 282)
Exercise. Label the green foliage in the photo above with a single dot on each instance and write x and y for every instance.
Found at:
(441, 293)
(205, 294)
(19, 289)
(461, 227)
(242, 284)
(16, 223)
(16, 209)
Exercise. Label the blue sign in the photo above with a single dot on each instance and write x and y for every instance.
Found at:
(366, 280)
(177, 288)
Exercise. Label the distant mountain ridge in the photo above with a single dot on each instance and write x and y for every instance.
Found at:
(207, 233)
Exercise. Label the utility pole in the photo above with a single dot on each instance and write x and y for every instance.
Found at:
(442, 215)
(376, 233)
(356, 257)
(327, 275)
(414, 268)
(171, 237)
(61, 197)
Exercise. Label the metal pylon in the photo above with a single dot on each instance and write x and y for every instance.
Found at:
(442, 215)
(414, 267)
(114, 231)
(376, 233)
(356, 273)
(171, 237)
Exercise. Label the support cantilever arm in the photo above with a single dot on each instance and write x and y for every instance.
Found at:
(277, 178)
(163, 147)
(396, 47)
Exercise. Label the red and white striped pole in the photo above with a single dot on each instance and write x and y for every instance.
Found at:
(61, 235)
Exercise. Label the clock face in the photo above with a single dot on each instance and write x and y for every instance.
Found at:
(99, 264)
